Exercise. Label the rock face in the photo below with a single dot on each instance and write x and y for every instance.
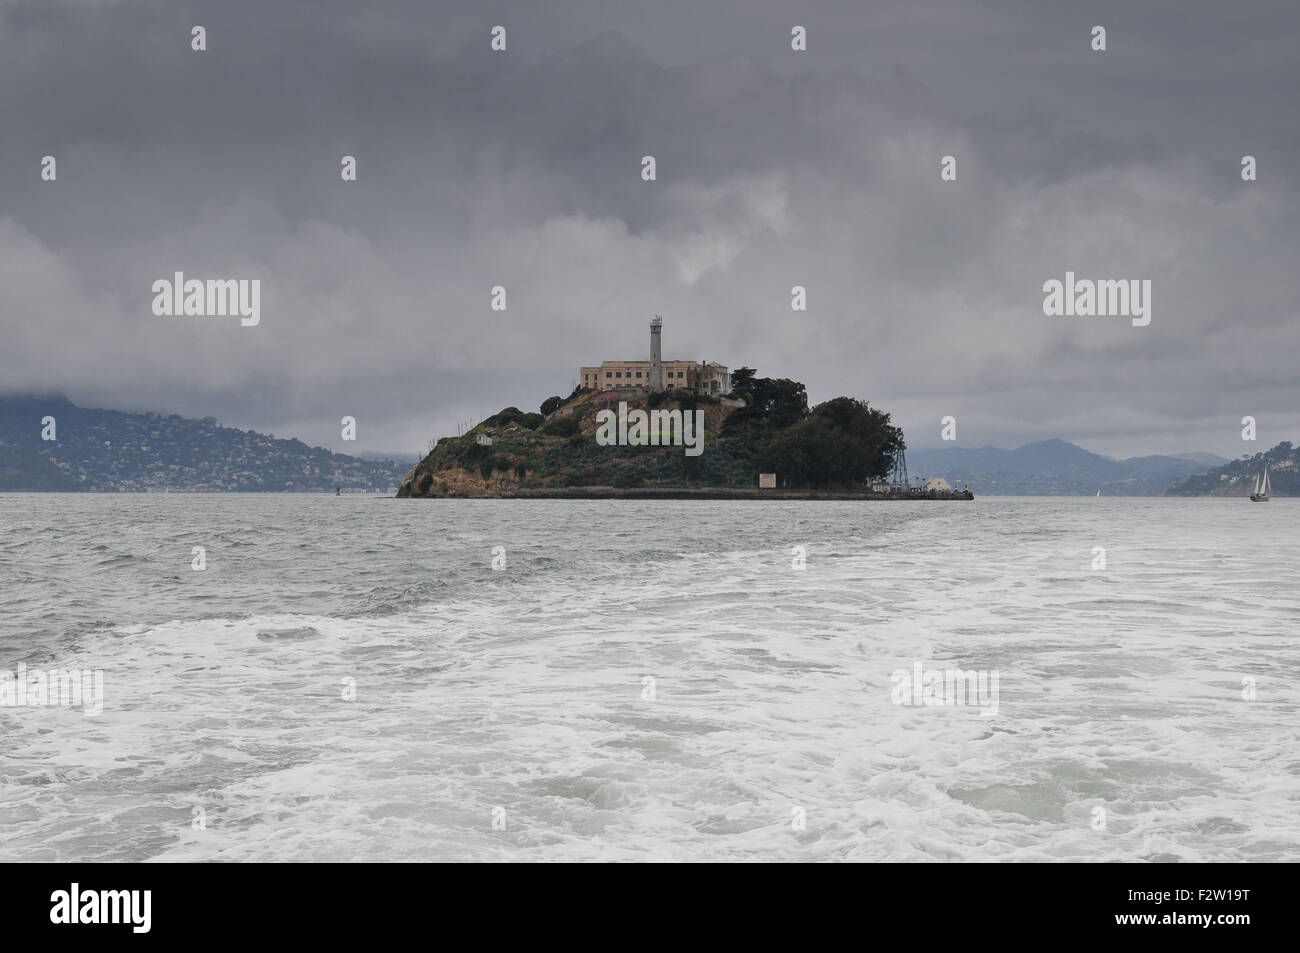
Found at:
(530, 453)
(456, 481)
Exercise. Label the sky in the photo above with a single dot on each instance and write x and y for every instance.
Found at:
(774, 168)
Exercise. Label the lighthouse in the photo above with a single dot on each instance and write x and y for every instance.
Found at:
(656, 355)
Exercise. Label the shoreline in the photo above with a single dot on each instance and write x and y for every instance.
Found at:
(689, 493)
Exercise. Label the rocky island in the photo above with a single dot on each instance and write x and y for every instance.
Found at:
(622, 443)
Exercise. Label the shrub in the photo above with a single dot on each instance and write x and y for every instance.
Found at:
(551, 405)
(509, 415)
(530, 421)
(566, 426)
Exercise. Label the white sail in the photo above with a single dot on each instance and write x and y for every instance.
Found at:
(1261, 484)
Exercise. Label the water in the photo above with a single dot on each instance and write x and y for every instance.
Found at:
(518, 694)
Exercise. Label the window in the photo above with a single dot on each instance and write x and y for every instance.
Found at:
(638, 373)
(609, 373)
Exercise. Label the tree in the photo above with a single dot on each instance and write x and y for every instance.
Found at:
(742, 379)
(773, 403)
(551, 405)
(843, 442)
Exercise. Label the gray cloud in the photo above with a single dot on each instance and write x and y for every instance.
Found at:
(775, 169)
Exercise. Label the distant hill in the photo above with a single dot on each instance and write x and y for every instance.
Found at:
(1055, 468)
(1207, 459)
(109, 450)
(1237, 477)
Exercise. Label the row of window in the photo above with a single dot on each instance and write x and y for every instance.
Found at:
(609, 375)
(638, 374)
(619, 375)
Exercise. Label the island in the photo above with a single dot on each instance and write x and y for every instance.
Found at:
(757, 440)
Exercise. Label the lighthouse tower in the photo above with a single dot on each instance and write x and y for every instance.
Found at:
(656, 355)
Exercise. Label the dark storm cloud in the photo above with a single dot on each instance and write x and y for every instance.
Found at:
(775, 169)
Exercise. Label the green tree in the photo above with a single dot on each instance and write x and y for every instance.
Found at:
(843, 442)
(774, 403)
(742, 379)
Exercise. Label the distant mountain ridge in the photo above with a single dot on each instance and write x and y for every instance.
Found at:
(115, 451)
(1055, 468)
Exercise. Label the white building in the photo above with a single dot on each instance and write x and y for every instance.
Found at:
(656, 374)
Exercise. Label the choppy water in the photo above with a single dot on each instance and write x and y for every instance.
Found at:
(522, 689)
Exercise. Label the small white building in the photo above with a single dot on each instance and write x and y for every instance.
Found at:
(767, 481)
(484, 440)
(939, 484)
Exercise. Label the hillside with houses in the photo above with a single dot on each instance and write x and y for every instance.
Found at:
(48, 443)
(1237, 478)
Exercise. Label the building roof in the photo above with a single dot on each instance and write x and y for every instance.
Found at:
(647, 363)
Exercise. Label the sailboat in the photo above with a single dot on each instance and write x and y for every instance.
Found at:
(1261, 487)
(1099, 491)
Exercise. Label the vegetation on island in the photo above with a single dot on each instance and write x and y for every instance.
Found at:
(763, 426)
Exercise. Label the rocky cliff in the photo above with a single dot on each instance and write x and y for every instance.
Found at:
(513, 451)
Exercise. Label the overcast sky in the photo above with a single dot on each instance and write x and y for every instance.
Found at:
(775, 168)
